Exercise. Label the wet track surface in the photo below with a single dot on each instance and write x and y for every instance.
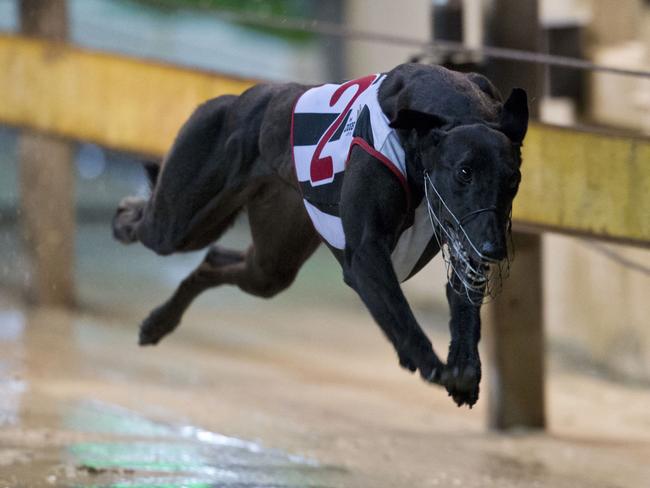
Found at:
(300, 391)
(82, 406)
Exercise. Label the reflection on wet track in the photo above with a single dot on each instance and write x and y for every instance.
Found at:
(151, 453)
(112, 446)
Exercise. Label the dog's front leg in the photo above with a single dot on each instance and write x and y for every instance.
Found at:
(373, 207)
(463, 360)
(369, 271)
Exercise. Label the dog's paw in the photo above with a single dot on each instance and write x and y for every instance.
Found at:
(406, 362)
(463, 374)
(419, 356)
(127, 217)
(462, 384)
(157, 325)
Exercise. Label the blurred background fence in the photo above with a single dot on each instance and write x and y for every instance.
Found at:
(89, 87)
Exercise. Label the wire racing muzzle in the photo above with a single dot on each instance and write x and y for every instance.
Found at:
(469, 272)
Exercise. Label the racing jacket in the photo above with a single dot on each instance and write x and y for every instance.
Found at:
(327, 122)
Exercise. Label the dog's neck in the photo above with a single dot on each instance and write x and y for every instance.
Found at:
(414, 166)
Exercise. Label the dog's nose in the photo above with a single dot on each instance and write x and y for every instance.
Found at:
(492, 251)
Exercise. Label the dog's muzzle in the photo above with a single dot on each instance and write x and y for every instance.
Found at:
(470, 272)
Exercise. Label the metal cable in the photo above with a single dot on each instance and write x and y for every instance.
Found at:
(424, 47)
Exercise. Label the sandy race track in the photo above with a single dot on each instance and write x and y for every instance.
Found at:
(295, 392)
(264, 404)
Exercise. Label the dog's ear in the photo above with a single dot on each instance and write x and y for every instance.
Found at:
(514, 117)
(421, 122)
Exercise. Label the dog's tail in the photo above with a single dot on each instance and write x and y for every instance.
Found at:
(152, 170)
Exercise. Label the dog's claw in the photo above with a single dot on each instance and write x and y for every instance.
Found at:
(432, 375)
(435, 375)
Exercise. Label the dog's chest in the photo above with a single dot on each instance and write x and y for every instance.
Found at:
(328, 121)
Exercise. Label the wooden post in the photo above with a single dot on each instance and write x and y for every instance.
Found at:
(515, 24)
(47, 183)
(48, 19)
(515, 336)
(514, 322)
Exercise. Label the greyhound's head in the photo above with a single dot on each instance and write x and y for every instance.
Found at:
(470, 177)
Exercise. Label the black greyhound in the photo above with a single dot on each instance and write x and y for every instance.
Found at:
(461, 147)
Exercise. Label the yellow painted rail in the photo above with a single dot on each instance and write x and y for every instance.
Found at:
(573, 181)
(119, 102)
(586, 183)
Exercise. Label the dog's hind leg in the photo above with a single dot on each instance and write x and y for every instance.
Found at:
(283, 239)
(165, 318)
(201, 185)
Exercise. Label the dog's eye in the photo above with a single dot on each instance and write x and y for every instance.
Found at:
(465, 174)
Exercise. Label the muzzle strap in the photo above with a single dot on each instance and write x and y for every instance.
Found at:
(463, 220)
